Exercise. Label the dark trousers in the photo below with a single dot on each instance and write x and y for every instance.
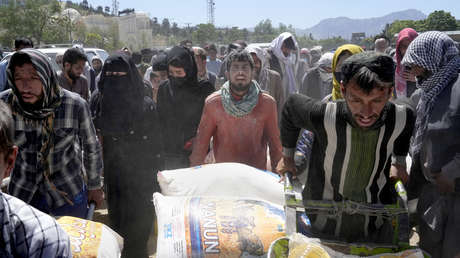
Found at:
(130, 181)
(439, 222)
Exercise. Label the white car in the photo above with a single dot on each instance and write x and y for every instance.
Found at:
(52, 60)
(90, 52)
(52, 52)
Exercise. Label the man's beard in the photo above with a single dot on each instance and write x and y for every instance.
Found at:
(72, 75)
(238, 87)
(35, 106)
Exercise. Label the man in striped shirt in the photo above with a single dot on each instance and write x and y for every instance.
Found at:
(360, 145)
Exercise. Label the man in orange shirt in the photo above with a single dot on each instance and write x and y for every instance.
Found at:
(241, 119)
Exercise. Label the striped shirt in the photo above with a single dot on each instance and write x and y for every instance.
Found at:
(28, 232)
(347, 162)
(75, 147)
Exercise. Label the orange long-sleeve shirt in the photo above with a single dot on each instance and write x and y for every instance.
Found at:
(239, 139)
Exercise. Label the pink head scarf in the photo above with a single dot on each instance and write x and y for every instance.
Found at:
(400, 83)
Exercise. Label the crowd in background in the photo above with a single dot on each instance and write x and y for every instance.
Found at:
(347, 119)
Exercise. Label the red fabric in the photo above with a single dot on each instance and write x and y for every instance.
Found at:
(400, 83)
(409, 33)
(239, 139)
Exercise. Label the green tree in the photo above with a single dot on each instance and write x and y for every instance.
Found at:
(175, 29)
(245, 34)
(39, 15)
(94, 40)
(32, 19)
(264, 27)
(165, 27)
(113, 41)
(398, 25)
(332, 43)
(440, 20)
(306, 41)
(264, 31)
(204, 33)
(156, 27)
(58, 31)
(283, 28)
(79, 31)
(387, 32)
(367, 43)
(233, 34)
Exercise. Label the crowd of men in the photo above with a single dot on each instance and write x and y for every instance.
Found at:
(347, 119)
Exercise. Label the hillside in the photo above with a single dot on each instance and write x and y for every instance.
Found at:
(344, 26)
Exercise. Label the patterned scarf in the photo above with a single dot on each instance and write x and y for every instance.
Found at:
(51, 89)
(245, 105)
(42, 115)
(436, 52)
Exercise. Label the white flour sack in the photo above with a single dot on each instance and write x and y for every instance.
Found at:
(91, 239)
(216, 226)
(223, 179)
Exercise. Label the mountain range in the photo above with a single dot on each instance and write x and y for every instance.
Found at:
(344, 26)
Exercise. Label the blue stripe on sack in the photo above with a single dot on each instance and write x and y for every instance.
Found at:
(270, 173)
(195, 227)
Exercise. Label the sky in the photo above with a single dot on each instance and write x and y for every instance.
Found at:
(300, 13)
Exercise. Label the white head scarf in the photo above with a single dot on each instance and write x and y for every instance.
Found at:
(326, 60)
(262, 55)
(276, 47)
(288, 61)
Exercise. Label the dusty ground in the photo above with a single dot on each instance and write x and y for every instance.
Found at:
(101, 215)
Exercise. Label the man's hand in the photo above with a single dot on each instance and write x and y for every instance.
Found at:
(399, 172)
(286, 164)
(96, 196)
(444, 184)
(408, 76)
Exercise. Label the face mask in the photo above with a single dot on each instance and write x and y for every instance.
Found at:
(178, 81)
(338, 76)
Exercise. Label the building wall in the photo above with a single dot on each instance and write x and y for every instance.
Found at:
(135, 31)
(99, 21)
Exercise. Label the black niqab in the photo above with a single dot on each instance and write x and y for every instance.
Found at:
(121, 96)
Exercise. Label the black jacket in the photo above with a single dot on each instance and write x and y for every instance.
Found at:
(180, 106)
